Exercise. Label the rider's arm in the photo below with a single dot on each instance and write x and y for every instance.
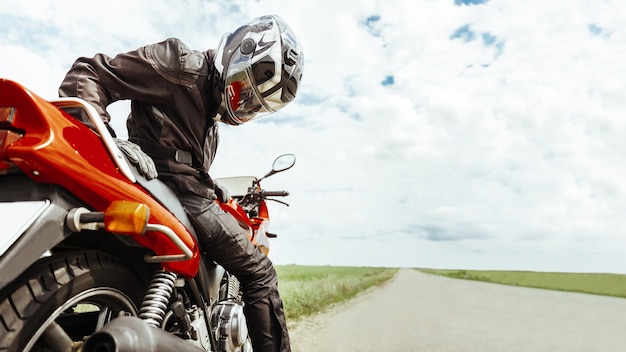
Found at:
(143, 74)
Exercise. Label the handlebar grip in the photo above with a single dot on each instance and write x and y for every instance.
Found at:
(275, 193)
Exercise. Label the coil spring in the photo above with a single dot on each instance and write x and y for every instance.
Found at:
(155, 301)
(234, 288)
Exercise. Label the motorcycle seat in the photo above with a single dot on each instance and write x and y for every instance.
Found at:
(164, 195)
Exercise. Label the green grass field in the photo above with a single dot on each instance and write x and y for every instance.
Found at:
(306, 290)
(598, 284)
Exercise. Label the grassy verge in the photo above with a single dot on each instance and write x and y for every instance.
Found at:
(306, 290)
(598, 284)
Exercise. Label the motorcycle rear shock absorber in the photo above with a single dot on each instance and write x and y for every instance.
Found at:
(234, 288)
(156, 300)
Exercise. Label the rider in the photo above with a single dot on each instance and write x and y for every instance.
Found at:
(177, 97)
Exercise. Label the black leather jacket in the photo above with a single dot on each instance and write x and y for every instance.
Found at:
(174, 97)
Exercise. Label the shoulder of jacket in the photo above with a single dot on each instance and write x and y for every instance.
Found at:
(172, 57)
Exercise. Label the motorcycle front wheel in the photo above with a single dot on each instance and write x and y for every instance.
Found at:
(60, 300)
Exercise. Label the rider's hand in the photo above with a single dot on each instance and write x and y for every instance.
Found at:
(222, 193)
(137, 157)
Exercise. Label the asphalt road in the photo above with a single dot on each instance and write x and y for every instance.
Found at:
(421, 312)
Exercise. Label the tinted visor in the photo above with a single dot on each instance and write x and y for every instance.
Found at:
(245, 102)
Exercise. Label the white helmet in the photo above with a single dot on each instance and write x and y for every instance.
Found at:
(260, 66)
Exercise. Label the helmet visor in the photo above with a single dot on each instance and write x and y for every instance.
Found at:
(243, 99)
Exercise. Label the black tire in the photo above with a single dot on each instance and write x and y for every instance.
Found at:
(44, 299)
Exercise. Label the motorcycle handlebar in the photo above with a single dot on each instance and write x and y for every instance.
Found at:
(275, 193)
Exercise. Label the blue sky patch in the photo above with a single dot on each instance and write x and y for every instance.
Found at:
(388, 81)
(464, 33)
(467, 34)
(372, 19)
(310, 99)
(372, 25)
(488, 38)
(595, 30)
(33, 35)
(469, 2)
(491, 40)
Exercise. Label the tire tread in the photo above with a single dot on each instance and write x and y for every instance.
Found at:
(38, 283)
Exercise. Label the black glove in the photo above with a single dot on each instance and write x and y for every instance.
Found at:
(222, 193)
(137, 157)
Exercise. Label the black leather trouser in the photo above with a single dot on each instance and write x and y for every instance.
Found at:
(225, 242)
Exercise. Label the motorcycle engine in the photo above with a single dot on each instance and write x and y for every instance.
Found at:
(229, 327)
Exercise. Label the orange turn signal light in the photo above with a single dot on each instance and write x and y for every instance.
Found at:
(126, 218)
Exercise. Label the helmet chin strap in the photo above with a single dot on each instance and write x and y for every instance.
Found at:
(221, 110)
(217, 89)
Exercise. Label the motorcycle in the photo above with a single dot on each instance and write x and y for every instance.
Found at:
(94, 257)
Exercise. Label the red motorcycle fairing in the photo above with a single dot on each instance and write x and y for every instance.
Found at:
(234, 209)
(256, 225)
(55, 148)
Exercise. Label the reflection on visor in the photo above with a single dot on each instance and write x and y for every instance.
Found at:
(243, 99)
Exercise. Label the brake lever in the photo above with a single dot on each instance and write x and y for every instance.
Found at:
(278, 201)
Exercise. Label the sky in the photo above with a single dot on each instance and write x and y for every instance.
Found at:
(470, 134)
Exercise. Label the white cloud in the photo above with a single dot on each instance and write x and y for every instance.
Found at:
(499, 146)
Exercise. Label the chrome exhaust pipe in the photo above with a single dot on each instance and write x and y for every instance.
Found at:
(130, 334)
